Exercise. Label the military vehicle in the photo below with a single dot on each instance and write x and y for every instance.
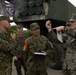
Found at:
(28, 11)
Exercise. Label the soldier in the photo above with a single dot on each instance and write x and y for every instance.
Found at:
(7, 44)
(69, 65)
(21, 57)
(53, 38)
(36, 64)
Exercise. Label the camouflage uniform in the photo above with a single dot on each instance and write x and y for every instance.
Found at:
(5, 53)
(20, 54)
(36, 64)
(69, 65)
(70, 59)
(68, 45)
(69, 36)
(53, 38)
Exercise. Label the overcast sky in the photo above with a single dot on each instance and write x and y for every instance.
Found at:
(73, 2)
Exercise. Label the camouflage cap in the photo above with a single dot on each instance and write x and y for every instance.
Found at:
(34, 26)
(4, 18)
(19, 24)
(73, 18)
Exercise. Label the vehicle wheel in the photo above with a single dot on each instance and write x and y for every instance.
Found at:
(54, 59)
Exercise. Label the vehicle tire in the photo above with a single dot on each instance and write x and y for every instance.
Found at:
(54, 59)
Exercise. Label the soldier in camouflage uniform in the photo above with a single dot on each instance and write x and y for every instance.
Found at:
(52, 36)
(69, 65)
(7, 44)
(21, 57)
(36, 64)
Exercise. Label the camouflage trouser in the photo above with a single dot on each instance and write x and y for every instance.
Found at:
(20, 62)
(4, 73)
(6, 69)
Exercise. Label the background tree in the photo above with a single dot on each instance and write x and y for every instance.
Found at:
(13, 29)
(28, 32)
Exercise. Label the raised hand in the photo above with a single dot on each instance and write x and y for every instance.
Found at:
(48, 25)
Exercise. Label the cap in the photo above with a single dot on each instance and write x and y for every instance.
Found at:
(73, 18)
(34, 26)
(4, 18)
(19, 24)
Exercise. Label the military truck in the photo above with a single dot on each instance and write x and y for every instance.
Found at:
(28, 11)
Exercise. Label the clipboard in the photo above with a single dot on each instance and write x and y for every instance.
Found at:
(39, 53)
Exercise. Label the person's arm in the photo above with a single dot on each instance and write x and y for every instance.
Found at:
(6, 46)
(49, 48)
(69, 30)
(7, 43)
(53, 37)
(51, 34)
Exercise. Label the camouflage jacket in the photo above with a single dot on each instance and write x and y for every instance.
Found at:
(57, 44)
(20, 43)
(7, 44)
(53, 37)
(70, 60)
(69, 44)
(70, 37)
(38, 45)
